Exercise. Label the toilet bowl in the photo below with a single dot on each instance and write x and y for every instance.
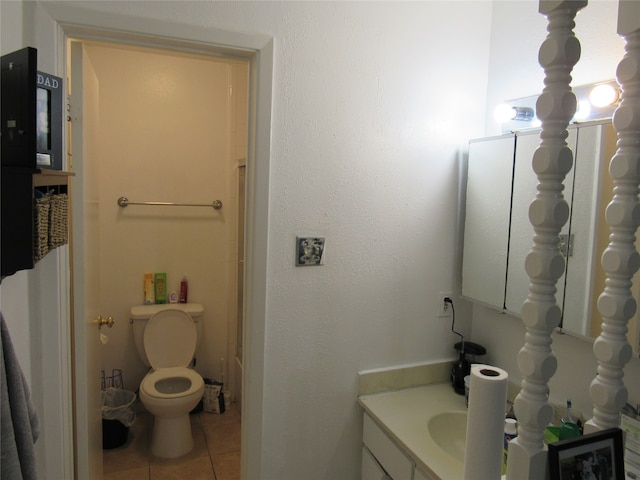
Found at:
(171, 389)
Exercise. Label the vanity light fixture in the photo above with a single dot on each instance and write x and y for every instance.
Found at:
(505, 113)
(523, 114)
(595, 101)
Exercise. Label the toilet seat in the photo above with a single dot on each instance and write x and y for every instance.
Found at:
(148, 385)
(170, 339)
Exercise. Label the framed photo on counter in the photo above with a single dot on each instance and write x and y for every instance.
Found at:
(596, 456)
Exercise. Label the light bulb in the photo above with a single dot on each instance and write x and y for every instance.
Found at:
(603, 95)
(503, 113)
(583, 111)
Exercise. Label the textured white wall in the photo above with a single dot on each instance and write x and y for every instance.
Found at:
(372, 104)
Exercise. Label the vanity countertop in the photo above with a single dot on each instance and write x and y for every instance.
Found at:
(405, 414)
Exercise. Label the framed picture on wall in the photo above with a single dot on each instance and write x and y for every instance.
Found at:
(48, 121)
(595, 456)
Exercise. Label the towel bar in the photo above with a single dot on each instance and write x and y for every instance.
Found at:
(124, 201)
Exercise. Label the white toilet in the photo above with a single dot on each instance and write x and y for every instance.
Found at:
(166, 337)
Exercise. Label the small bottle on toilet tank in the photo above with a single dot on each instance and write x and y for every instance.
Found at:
(184, 289)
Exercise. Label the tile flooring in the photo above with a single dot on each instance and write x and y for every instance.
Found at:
(215, 456)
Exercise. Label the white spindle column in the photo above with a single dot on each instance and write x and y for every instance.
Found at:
(620, 260)
(548, 212)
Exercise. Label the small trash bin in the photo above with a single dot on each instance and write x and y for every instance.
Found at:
(117, 416)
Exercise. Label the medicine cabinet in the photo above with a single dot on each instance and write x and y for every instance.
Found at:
(498, 235)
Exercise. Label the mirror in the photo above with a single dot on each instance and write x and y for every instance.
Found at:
(602, 240)
(493, 272)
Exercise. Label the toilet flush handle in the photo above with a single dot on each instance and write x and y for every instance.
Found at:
(109, 321)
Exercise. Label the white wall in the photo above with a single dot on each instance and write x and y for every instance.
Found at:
(35, 304)
(367, 122)
(514, 73)
(372, 103)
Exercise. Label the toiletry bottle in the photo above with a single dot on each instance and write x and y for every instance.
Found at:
(184, 290)
(510, 433)
(161, 287)
(149, 289)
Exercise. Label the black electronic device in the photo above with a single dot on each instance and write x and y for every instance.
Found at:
(18, 125)
(32, 117)
(468, 354)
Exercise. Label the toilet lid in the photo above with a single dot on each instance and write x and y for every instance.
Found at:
(170, 338)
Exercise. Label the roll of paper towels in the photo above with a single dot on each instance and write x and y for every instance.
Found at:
(485, 423)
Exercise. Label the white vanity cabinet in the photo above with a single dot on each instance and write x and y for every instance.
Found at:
(383, 459)
(397, 439)
(381, 456)
(498, 234)
(371, 469)
(420, 475)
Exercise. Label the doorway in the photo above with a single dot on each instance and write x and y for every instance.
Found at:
(173, 126)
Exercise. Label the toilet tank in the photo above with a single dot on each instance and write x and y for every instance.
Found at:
(140, 314)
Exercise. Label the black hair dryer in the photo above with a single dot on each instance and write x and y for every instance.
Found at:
(469, 353)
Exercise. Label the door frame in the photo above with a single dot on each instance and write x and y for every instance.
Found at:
(81, 24)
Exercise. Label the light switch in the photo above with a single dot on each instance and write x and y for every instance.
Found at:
(309, 251)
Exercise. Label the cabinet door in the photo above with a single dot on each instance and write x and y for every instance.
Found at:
(486, 229)
(525, 183)
(371, 469)
(595, 147)
(387, 453)
(420, 475)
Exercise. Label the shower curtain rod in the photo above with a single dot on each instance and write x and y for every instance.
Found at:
(124, 201)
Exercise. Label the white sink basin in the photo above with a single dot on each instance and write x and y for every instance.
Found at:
(449, 431)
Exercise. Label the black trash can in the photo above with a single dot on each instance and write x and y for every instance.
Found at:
(114, 434)
(117, 416)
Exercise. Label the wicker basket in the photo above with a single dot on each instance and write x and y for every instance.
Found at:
(58, 220)
(41, 228)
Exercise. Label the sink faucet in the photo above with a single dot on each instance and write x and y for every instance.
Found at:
(630, 411)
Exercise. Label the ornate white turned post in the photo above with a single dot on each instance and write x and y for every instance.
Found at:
(620, 260)
(553, 159)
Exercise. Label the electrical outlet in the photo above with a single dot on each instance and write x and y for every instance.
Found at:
(444, 308)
